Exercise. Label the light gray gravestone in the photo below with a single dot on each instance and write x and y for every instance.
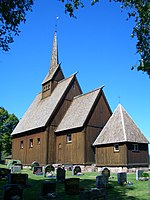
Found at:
(16, 169)
(138, 174)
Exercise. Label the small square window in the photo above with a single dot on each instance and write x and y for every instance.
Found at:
(69, 138)
(31, 143)
(21, 144)
(135, 147)
(116, 147)
(38, 141)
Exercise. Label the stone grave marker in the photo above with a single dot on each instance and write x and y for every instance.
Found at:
(72, 186)
(101, 181)
(38, 170)
(68, 167)
(76, 170)
(20, 179)
(61, 174)
(122, 177)
(4, 172)
(106, 173)
(93, 194)
(49, 170)
(13, 191)
(48, 187)
(138, 174)
(16, 169)
(149, 185)
(19, 164)
(35, 163)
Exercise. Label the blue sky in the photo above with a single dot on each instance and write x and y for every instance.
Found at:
(97, 45)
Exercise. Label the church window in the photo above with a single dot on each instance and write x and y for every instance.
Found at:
(135, 147)
(21, 144)
(69, 138)
(38, 141)
(31, 143)
(116, 147)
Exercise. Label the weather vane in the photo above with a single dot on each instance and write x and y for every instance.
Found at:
(56, 23)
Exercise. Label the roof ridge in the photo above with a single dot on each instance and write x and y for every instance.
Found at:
(83, 94)
(122, 120)
(67, 77)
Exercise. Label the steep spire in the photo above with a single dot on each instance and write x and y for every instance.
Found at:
(54, 61)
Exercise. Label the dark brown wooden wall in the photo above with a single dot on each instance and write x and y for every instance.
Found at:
(98, 119)
(26, 154)
(138, 157)
(105, 156)
(70, 153)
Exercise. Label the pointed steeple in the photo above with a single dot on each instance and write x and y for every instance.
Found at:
(54, 74)
(54, 64)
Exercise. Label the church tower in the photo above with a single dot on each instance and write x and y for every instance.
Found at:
(54, 74)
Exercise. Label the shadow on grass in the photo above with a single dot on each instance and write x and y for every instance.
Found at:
(113, 192)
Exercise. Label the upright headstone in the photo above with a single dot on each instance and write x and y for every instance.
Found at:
(122, 177)
(138, 174)
(101, 181)
(76, 170)
(16, 169)
(61, 174)
(48, 187)
(37, 170)
(4, 172)
(13, 192)
(49, 169)
(72, 186)
(106, 173)
(19, 179)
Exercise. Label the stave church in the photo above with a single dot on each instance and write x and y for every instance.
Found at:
(65, 126)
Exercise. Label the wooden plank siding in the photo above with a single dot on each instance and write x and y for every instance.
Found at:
(138, 158)
(71, 152)
(98, 119)
(29, 154)
(106, 156)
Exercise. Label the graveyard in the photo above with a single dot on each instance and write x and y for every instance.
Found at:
(35, 184)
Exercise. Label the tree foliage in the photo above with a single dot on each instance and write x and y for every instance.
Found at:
(7, 125)
(12, 13)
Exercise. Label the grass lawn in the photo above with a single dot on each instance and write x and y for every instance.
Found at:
(138, 191)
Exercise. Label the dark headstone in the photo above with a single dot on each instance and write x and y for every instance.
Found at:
(35, 163)
(49, 169)
(13, 191)
(93, 194)
(122, 177)
(37, 170)
(76, 170)
(72, 186)
(61, 174)
(48, 187)
(101, 181)
(19, 179)
(4, 172)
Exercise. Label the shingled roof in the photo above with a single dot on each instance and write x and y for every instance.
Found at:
(120, 128)
(78, 111)
(54, 65)
(41, 110)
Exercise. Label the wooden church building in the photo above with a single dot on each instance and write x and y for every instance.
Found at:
(61, 123)
(64, 126)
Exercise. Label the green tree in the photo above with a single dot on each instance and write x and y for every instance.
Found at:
(7, 125)
(12, 13)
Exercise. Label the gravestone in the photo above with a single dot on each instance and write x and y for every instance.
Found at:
(19, 164)
(49, 169)
(106, 173)
(37, 170)
(76, 170)
(101, 181)
(48, 187)
(13, 191)
(35, 163)
(19, 179)
(72, 186)
(4, 172)
(149, 185)
(68, 167)
(93, 194)
(122, 177)
(138, 174)
(61, 174)
(16, 169)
